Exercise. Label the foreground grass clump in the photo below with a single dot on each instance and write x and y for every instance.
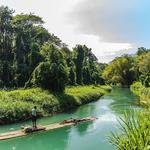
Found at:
(135, 132)
(16, 105)
(143, 92)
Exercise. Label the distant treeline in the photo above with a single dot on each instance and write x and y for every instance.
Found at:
(31, 56)
(126, 69)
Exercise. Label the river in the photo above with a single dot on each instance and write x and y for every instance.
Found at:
(85, 136)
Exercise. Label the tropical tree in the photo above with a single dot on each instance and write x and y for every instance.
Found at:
(121, 71)
(52, 73)
(143, 67)
(141, 50)
(6, 53)
(78, 57)
(68, 55)
(26, 45)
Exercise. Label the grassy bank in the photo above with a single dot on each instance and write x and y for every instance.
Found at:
(16, 105)
(143, 92)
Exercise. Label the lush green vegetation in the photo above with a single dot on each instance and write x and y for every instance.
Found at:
(31, 56)
(134, 132)
(120, 71)
(52, 73)
(143, 92)
(16, 105)
(34, 59)
(143, 67)
(40, 66)
(126, 69)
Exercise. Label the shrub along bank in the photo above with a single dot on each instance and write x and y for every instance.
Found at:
(143, 92)
(16, 105)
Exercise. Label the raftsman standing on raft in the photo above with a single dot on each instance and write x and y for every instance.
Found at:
(29, 129)
(34, 117)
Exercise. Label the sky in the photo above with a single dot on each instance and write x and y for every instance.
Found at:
(110, 27)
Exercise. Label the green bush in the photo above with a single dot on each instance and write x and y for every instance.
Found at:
(52, 74)
(143, 92)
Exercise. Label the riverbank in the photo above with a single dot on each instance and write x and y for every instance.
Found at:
(16, 105)
(144, 93)
(134, 126)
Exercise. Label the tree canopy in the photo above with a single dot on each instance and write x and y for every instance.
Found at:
(143, 67)
(28, 52)
(52, 73)
(120, 71)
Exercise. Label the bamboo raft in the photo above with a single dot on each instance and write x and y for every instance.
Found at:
(28, 130)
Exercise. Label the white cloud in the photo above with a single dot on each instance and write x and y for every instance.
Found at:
(77, 22)
(113, 21)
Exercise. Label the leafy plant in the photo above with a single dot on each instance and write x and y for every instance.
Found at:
(135, 132)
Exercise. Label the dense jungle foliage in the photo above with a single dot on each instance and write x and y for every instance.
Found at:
(126, 69)
(31, 56)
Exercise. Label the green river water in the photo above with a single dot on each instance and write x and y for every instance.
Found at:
(85, 136)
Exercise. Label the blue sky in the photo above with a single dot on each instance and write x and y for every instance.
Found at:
(110, 27)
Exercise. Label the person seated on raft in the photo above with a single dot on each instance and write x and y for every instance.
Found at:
(34, 116)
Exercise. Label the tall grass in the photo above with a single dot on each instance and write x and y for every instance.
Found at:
(135, 132)
(16, 105)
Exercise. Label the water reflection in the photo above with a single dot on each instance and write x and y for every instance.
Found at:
(81, 129)
(123, 100)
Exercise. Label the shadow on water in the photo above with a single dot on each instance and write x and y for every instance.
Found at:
(82, 128)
